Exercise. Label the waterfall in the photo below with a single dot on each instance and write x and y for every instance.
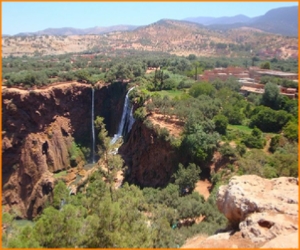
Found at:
(93, 126)
(127, 118)
(131, 120)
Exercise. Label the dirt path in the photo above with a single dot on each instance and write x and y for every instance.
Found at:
(267, 146)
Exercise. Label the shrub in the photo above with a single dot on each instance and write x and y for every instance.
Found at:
(140, 113)
(255, 140)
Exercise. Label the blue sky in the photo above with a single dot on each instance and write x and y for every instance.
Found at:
(34, 16)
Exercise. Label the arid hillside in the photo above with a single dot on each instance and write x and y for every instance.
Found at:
(175, 37)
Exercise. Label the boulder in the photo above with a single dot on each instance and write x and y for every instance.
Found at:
(284, 241)
(262, 209)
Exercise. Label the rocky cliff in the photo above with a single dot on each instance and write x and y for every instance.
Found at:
(263, 213)
(150, 159)
(262, 209)
(38, 129)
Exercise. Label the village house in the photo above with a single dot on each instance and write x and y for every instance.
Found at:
(256, 73)
(223, 74)
(249, 79)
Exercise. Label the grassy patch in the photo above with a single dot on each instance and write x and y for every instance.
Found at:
(170, 93)
(240, 128)
(60, 174)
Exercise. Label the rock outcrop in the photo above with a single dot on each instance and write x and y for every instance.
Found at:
(262, 209)
(38, 129)
(150, 159)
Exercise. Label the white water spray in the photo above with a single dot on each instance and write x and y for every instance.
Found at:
(126, 117)
(131, 120)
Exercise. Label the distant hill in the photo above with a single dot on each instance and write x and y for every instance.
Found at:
(219, 20)
(173, 36)
(67, 31)
(283, 21)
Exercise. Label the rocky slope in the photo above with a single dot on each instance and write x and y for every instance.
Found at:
(38, 129)
(264, 213)
(175, 37)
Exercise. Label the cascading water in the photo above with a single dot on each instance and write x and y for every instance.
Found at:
(93, 126)
(131, 120)
(127, 118)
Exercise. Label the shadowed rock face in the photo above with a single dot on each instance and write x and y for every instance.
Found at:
(151, 160)
(38, 129)
(263, 209)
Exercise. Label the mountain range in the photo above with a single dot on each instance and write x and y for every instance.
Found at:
(67, 31)
(283, 21)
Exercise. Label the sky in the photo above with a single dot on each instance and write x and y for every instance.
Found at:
(35, 16)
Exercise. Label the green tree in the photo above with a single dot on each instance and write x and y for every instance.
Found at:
(285, 160)
(24, 238)
(271, 97)
(82, 75)
(233, 114)
(112, 162)
(191, 206)
(199, 144)
(253, 162)
(60, 193)
(202, 88)
(56, 229)
(269, 120)
(290, 131)
(255, 140)
(227, 151)
(221, 123)
(265, 65)
(186, 178)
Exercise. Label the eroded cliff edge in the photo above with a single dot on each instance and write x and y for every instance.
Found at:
(38, 128)
(151, 159)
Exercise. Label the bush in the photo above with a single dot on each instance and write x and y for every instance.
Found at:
(140, 113)
(221, 123)
(163, 133)
(187, 177)
(227, 151)
(255, 140)
(202, 88)
(269, 120)
(290, 131)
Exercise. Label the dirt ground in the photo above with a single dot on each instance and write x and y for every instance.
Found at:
(171, 124)
(202, 187)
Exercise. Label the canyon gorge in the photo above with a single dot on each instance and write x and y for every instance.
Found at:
(40, 127)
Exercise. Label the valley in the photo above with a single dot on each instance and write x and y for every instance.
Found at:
(168, 135)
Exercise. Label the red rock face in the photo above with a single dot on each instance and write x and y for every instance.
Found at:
(151, 160)
(38, 129)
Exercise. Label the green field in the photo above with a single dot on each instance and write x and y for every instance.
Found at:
(240, 128)
(245, 129)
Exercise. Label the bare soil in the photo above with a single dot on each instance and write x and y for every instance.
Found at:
(171, 123)
(203, 187)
